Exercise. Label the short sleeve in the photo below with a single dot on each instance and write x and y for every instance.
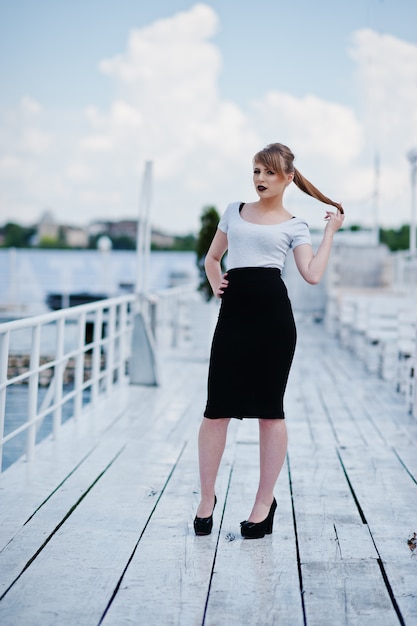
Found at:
(301, 234)
(223, 225)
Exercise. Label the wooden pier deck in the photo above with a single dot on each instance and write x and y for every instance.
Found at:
(99, 530)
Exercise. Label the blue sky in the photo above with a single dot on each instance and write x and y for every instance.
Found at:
(90, 90)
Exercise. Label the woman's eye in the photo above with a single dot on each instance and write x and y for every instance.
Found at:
(256, 171)
(270, 173)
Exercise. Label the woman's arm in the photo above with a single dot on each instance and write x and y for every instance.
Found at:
(312, 266)
(212, 263)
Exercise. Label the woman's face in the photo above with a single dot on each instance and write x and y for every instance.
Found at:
(267, 182)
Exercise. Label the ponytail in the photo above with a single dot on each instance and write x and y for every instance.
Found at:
(279, 159)
(308, 188)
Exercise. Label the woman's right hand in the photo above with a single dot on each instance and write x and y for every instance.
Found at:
(334, 220)
(224, 283)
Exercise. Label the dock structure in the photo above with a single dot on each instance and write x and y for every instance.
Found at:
(99, 528)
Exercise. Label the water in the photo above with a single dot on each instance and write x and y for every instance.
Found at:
(16, 415)
(26, 276)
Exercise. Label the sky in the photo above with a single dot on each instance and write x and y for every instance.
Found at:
(90, 90)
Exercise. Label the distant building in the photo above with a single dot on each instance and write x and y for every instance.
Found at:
(74, 236)
(128, 228)
(47, 227)
(124, 228)
(98, 228)
(162, 240)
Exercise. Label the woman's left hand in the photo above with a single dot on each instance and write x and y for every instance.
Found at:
(334, 220)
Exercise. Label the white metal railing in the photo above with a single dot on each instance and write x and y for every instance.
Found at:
(380, 327)
(78, 353)
(62, 362)
(405, 269)
(169, 314)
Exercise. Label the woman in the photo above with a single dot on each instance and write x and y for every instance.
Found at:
(254, 340)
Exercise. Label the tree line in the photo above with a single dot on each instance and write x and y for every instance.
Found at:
(14, 235)
(18, 236)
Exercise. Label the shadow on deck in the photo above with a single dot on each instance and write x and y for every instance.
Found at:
(99, 529)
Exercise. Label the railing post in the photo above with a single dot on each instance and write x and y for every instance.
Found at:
(33, 391)
(123, 343)
(98, 329)
(111, 329)
(4, 361)
(79, 366)
(59, 376)
(176, 321)
(152, 312)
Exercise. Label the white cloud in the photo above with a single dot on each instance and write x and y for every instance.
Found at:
(96, 143)
(336, 147)
(30, 106)
(177, 43)
(78, 173)
(35, 141)
(322, 129)
(387, 76)
(9, 165)
(168, 108)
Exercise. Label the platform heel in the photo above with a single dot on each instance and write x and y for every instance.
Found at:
(253, 530)
(204, 525)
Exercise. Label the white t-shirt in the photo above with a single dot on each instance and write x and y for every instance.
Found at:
(260, 245)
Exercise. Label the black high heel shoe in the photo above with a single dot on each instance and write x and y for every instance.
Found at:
(253, 530)
(203, 525)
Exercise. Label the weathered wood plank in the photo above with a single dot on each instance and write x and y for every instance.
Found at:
(124, 496)
(346, 592)
(381, 486)
(24, 487)
(339, 562)
(339, 569)
(90, 551)
(42, 525)
(387, 494)
(372, 399)
(400, 566)
(255, 582)
(168, 579)
(352, 459)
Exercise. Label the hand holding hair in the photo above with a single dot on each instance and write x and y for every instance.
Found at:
(334, 220)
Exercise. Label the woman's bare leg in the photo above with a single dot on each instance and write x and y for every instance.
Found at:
(211, 443)
(273, 441)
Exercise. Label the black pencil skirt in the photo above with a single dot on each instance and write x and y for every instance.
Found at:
(253, 347)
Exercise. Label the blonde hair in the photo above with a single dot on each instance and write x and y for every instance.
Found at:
(280, 160)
